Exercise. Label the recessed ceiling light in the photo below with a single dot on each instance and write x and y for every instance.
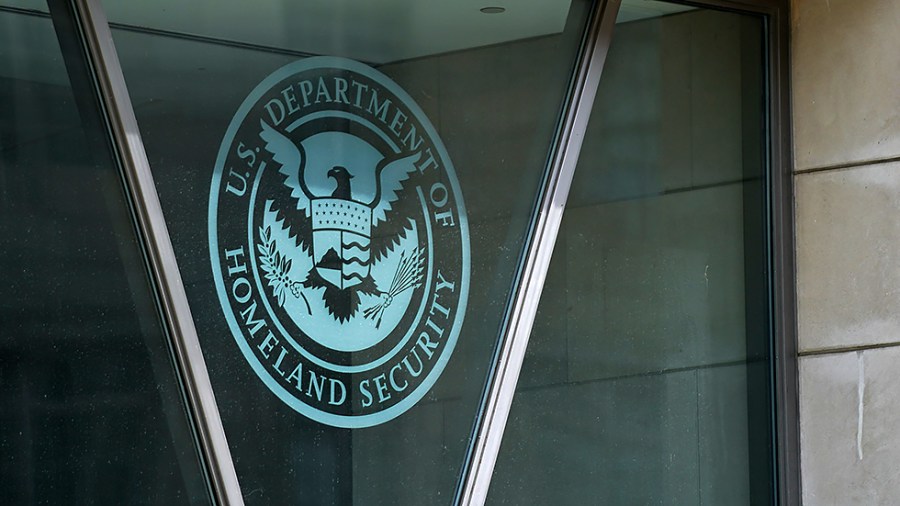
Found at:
(493, 10)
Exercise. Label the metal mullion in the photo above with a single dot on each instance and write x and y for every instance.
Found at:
(92, 23)
(781, 219)
(501, 385)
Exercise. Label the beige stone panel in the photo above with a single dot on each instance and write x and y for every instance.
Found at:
(842, 461)
(845, 73)
(848, 256)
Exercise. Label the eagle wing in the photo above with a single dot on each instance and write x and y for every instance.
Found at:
(396, 179)
(292, 159)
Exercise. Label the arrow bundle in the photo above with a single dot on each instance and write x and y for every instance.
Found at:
(408, 275)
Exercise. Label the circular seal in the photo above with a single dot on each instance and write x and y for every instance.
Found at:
(339, 242)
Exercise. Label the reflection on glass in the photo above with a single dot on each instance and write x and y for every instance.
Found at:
(90, 407)
(492, 85)
(644, 381)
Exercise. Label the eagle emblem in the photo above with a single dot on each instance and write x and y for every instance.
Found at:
(339, 242)
(343, 230)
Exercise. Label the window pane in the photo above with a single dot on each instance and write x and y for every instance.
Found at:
(265, 124)
(91, 410)
(645, 379)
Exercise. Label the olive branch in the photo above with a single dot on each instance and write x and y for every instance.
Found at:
(276, 267)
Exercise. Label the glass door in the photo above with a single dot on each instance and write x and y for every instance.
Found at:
(349, 187)
(647, 377)
(357, 206)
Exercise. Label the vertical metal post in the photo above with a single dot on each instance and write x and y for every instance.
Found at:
(502, 383)
(786, 374)
(126, 139)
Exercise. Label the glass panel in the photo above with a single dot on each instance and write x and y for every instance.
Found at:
(348, 225)
(646, 380)
(91, 410)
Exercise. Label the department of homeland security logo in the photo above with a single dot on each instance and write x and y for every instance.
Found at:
(339, 242)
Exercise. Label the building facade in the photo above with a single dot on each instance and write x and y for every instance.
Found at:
(541, 252)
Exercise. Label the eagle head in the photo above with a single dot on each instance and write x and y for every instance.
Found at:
(339, 173)
(342, 178)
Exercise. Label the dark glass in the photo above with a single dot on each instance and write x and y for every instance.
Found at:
(645, 380)
(91, 409)
(492, 85)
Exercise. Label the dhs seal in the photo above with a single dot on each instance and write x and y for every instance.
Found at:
(339, 242)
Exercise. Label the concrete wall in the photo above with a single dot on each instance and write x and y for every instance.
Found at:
(846, 99)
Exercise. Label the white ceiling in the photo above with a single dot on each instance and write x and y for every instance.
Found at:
(633, 10)
(375, 31)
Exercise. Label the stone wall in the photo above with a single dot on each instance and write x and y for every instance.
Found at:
(846, 100)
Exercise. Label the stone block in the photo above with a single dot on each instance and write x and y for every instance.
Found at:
(848, 256)
(844, 461)
(844, 76)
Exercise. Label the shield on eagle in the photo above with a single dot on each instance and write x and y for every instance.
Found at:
(341, 235)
